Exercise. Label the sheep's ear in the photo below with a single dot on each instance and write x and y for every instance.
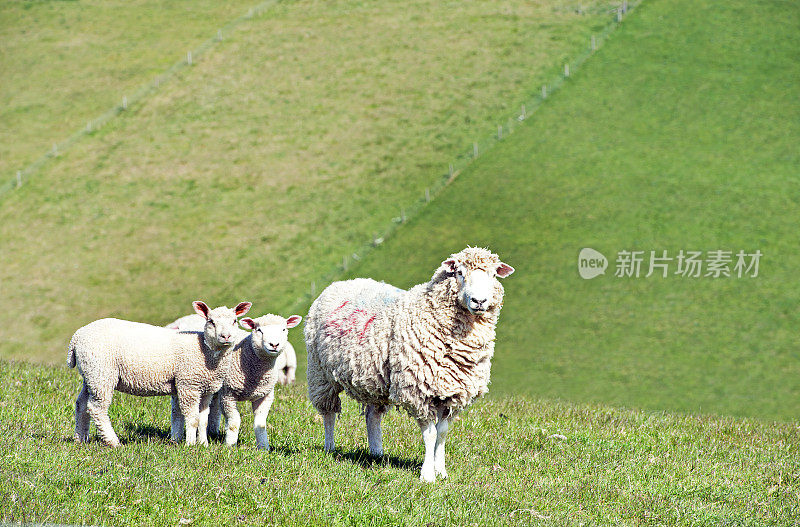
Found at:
(450, 264)
(249, 322)
(293, 320)
(242, 308)
(504, 270)
(200, 308)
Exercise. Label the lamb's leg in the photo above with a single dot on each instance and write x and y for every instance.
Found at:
(329, 420)
(177, 424)
(97, 405)
(189, 403)
(438, 454)
(202, 425)
(232, 419)
(428, 428)
(373, 415)
(215, 416)
(260, 411)
(82, 416)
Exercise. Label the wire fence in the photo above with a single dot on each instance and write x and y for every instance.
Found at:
(465, 158)
(455, 167)
(128, 100)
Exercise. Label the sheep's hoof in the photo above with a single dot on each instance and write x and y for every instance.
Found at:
(428, 475)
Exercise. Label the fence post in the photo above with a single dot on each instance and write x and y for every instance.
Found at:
(499, 131)
(475, 149)
(544, 91)
(19, 178)
(522, 115)
(450, 173)
(427, 195)
(566, 69)
(189, 58)
(594, 43)
(313, 289)
(124, 103)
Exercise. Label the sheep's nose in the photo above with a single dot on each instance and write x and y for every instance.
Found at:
(478, 302)
(273, 345)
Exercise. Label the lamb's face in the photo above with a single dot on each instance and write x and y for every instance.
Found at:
(219, 330)
(477, 291)
(270, 333)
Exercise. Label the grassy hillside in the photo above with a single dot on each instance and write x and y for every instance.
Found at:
(614, 467)
(680, 134)
(254, 171)
(64, 63)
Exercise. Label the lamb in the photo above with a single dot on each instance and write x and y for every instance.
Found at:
(252, 375)
(285, 366)
(145, 360)
(427, 350)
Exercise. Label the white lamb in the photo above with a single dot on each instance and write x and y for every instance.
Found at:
(252, 375)
(145, 360)
(285, 366)
(427, 349)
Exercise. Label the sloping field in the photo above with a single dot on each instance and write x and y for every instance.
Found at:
(282, 149)
(680, 134)
(64, 63)
(507, 465)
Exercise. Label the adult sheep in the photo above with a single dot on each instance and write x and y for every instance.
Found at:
(145, 360)
(427, 349)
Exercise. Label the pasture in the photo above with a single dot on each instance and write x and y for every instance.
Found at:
(612, 467)
(679, 134)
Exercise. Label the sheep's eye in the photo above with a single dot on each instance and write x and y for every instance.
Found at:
(285, 330)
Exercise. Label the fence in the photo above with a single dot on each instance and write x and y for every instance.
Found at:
(131, 99)
(464, 159)
(454, 168)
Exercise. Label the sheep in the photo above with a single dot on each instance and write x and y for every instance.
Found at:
(427, 350)
(144, 360)
(252, 375)
(285, 366)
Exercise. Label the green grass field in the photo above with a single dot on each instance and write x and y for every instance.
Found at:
(253, 172)
(681, 133)
(615, 467)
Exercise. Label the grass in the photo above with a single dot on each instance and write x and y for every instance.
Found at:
(64, 63)
(679, 134)
(254, 171)
(615, 467)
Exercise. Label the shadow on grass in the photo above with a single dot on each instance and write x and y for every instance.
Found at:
(364, 459)
(138, 432)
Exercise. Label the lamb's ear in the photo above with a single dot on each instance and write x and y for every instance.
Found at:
(293, 320)
(450, 264)
(249, 322)
(504, 270)
(242, 308)
(200, 308)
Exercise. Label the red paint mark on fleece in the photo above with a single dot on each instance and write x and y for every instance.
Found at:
(356, 322)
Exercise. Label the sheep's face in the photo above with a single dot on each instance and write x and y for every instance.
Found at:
(220, 326)
(476, 283)
(270, 333)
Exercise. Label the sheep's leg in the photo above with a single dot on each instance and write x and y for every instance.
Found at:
(329, 420)
(215, 415)
(438, 454)
(232, 419)
(82, 416)
(428, 428)
(97, 406)
(190, 408)
(176, 428)
(202, 424)
(260, 411)
(373, 415)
